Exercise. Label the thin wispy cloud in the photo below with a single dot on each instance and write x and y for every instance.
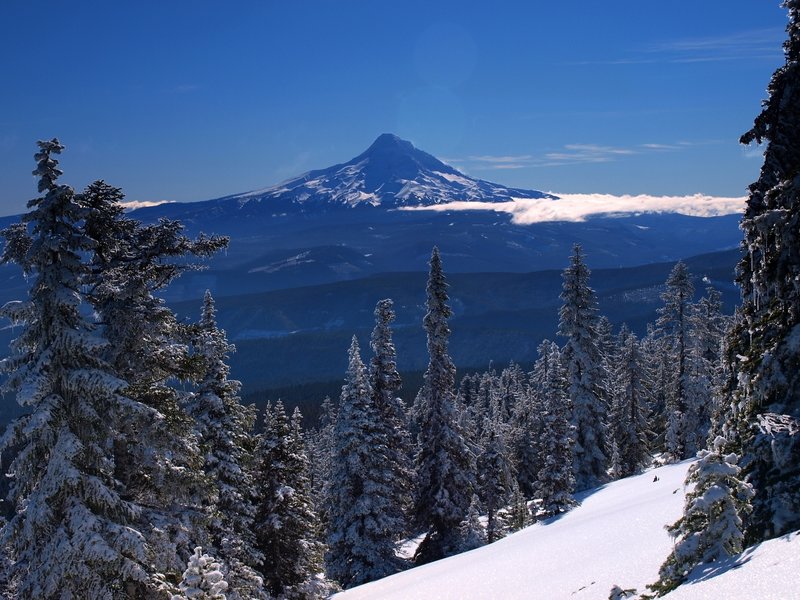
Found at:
(662, 146)
(588, 153)
(502, 159)
(580, 207)
(754, 41)
(570, 154)
(755, 44)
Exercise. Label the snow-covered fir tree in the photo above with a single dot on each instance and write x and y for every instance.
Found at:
(516, 515)
(73, 534)
(224, 429)
(556, 478)
(385, 383)
(658, 368)
(149, 349)
(285, 523)
(445, 465)
(525, 434)
(361, 519)
(203, 579)
(709, 326)
(468, 409)
(709, 329)
(711, 526)
(473, 533)
(607, 345)
(765, 347)
(630, 392)
(511, 389)
(674, 326)
(583, 361)
(320, 446)
(495, 478)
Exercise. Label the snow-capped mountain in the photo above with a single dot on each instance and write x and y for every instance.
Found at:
(390, 173)
(355, 207)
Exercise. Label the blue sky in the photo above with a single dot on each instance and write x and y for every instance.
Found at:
(193, 100)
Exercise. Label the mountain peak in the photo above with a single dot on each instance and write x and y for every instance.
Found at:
(390, 141)
(390, 173)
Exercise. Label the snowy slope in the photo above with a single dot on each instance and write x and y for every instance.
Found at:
(769, 571)
(616, 536)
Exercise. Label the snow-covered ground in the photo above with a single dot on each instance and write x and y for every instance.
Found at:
(616, 536)
(769, 571)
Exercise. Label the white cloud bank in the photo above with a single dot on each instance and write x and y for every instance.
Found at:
(579, 207)
(134, 204)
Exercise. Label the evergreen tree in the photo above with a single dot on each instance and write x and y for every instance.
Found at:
(582, 358)
(607, 346)
(764, 347)
(203, 579)
(628, 416)
(711, 526)
(73, 535)
(486, 402)
(709, 328)
(149, 349)
(361, 525)
(495, 479)
(385, 383)
(223, 426)
(674, 325)
(320, 446)
(517, 515)
(468, 410)
(285, 521)
(524, 438)
(658, 368)
(445, 464)
(473, 533)
(511, 391)
(556, 478)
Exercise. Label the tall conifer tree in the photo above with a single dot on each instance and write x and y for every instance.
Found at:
(764, 349)
(630, 398)
(286, 522)
(445, 464)
(556, 478)
(583, 361)
(149, 349)
(674, 325)
(73, 534)
(385, 383)
(361, 524)
(224, 428)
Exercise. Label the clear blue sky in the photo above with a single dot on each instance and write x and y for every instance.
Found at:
(184, 100)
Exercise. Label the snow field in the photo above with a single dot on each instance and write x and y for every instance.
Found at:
(768, 571)
(616, 536)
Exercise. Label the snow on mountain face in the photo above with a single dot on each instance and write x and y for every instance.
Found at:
(390, 173)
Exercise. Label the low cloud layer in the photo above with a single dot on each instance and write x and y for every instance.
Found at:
(134, 204)
(579, 207)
